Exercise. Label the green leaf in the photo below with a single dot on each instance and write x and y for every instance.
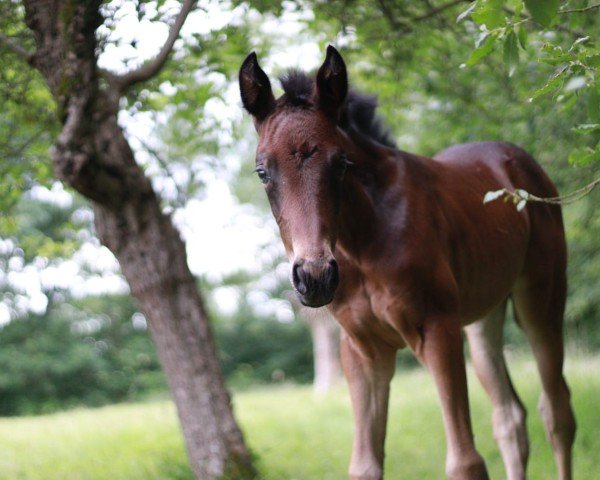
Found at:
(493, 195)
(518, 10)
(592, 60)
(586, 128)
(555, 55)
(593, 105)
(522, 34)
(489, 13)
(555, 81)
(511, 53)
(482, 51)
(579, 41)
(544, 12)
(567, 102)
(466, 13)
(580, 157)
(523, 194)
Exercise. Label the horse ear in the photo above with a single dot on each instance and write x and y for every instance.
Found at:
(255, 89)
(332, 84)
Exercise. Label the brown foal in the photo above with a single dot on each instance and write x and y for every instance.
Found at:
(404, 253)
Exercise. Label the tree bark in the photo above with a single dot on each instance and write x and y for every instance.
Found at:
(326, 356)
(94, 157)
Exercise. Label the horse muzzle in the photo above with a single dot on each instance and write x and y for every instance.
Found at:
(315, 281)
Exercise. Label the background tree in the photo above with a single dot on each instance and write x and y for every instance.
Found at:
(93, 156)
(92, 351)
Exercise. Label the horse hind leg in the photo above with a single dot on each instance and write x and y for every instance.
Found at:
(539, 308)
(508, 414)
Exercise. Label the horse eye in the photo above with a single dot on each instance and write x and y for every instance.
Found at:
(262, 174)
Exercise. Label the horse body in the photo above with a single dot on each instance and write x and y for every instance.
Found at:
(437, 247)
(405, 253)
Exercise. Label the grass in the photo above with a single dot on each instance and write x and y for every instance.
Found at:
(293, 434)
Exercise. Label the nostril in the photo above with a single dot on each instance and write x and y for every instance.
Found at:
(298, 279)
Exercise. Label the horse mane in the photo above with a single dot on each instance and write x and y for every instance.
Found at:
(358, 116)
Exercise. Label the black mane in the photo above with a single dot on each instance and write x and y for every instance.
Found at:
(358, 115)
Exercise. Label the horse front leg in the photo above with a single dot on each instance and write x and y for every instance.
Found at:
(368, 370)
(440, 348)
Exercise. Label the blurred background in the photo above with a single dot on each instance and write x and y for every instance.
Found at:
(444, 72)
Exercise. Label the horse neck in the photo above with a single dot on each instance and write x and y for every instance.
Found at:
(374, 197)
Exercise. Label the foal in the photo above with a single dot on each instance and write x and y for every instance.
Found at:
(404, 253)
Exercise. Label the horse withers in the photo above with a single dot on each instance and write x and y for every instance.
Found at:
(404, 253)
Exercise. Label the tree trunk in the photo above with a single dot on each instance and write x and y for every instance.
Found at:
(93, 156)
(152, 258)
(326, 356)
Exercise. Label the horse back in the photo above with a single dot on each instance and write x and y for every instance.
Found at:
(509, 162)
(492, 246)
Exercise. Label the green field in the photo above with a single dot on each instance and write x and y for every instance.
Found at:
(293, 434)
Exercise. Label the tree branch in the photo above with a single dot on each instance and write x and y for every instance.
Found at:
(16, 48)
(521, 197)
(151, 68)
(17, 151)
(578, 10)
(404, 22)
(392, 19)
(558, 26)
(181, 195)
(435, 11)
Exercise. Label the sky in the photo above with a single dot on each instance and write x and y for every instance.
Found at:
(221, 235)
